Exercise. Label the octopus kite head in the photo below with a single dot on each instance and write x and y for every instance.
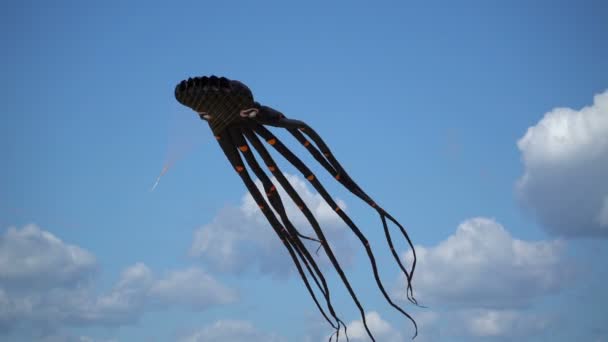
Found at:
(218, 100)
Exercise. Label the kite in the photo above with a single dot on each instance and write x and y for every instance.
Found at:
(239, 125)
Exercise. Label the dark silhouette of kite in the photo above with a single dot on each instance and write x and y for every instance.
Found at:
(238, 122)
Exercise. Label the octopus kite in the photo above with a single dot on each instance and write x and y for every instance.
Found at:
(239, 124)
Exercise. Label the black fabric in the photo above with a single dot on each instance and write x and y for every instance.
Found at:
(326, 158)
(295, 161)
(234, 158)
(221, 101)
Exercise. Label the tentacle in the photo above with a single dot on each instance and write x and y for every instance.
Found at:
(232, 155)
(282, 149)
(295, 197)
(338, 172)
(307, 237)
(331, 164)
(274, 198)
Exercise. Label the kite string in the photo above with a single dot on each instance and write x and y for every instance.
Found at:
(182, 139)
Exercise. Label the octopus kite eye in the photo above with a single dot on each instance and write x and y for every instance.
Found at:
(205, 116)
(249, 113)
(238, 138)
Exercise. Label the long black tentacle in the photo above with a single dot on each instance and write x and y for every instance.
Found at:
(295, 197)
(236, 136)
(234, 158)
(295, 161)
(338, 172)
(331, 164)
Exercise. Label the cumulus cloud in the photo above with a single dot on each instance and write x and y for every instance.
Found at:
(42, 279)
(138, 290)
(192, 288)
(31, 257)
(381, 329)
(502, 323)
(565, 157)
(240, 238)
(231, 331)
(472, 324)
(65, 295)
(481, 265)
(62, 337)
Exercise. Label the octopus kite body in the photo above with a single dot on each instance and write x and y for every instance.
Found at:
(239, 124)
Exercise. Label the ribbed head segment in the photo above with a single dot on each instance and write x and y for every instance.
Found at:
(219, 97)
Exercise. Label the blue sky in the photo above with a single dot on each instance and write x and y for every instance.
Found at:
(482, 127)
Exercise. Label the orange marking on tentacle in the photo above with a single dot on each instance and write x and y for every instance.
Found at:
(302, 129)
(306, 143)
(301, 207)
(311, 177)
(261, 207)
(272, 189)
(239, 168)
(271, 168)
(373, 205)
(337, 176)
(337, 209)
(243, 148)
(326, 154)
(217, 137)
(272, 141)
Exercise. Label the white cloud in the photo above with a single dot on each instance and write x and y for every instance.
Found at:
(191, 288)
(139, 290)
(428, 324)
(502, 323)
(602, 217)
(241, 238)
(61, 337)
(127, 298)
(31, 257)
(69, 298)
(481, 265)
(565, 158)
(381, 329)
(231, 331)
